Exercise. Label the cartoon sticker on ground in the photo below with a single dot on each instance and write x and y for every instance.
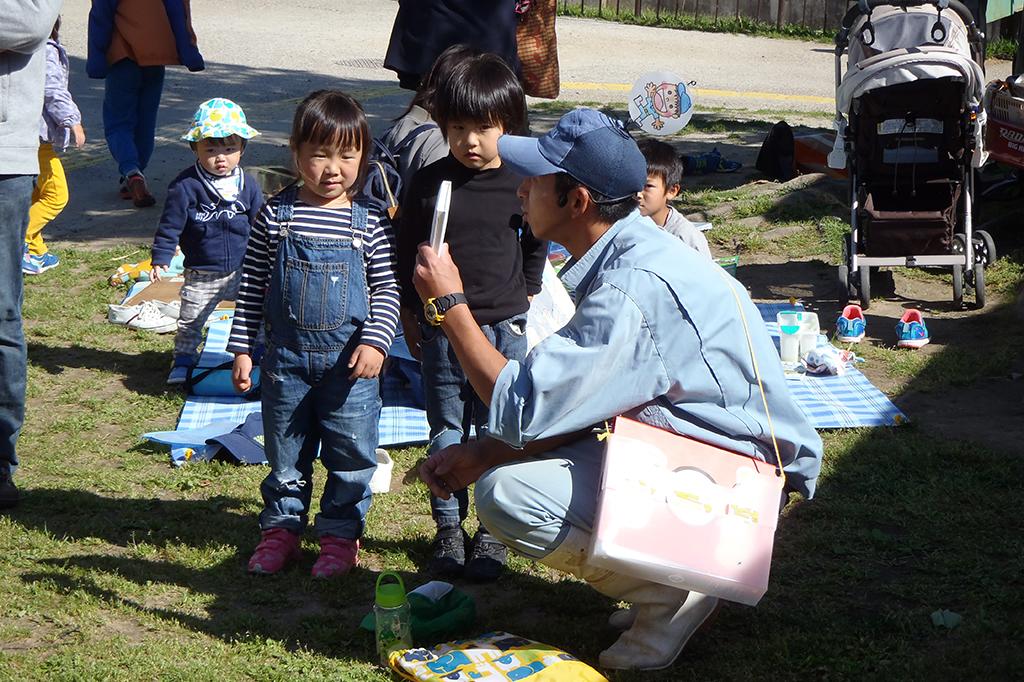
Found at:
(661, 103)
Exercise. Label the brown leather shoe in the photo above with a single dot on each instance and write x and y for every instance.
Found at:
(139, 192)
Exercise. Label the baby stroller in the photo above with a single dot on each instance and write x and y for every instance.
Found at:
(909, 132)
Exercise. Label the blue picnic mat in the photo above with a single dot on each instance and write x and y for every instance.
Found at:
(830, 402)
(401, 421)
(834, 402)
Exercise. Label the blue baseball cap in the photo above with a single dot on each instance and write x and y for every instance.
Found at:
(586, 144)
(245, 443)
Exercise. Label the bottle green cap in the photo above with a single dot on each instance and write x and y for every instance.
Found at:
(390, 595)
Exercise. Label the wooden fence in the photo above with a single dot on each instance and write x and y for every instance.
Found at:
(815, 14)
(823, 15)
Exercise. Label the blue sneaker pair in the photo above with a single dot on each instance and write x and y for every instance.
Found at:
(37, 265)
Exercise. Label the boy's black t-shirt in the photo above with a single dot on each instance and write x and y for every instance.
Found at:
(501, 263)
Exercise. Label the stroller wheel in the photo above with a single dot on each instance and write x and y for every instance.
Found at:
(958, 285)
(864, 286)
(984, 247)
(979, 285)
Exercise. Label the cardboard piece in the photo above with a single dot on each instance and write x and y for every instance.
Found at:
(167, 290)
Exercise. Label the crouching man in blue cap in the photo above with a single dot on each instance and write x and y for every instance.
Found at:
(657, 336)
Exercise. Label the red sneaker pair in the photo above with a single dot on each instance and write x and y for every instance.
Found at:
(279, 547)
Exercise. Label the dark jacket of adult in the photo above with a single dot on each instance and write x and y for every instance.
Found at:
(425, 28)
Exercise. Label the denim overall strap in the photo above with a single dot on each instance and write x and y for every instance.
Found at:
(286, 206)
(317, 296)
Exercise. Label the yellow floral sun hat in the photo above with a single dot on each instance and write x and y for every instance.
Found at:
(219, 117)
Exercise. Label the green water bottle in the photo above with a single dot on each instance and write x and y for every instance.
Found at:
(392, 615)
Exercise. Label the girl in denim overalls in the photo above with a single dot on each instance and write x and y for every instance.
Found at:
(319, 274)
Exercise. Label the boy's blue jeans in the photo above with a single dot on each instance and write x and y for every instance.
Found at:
(130, 103)
(308, 399)
(15, 199)
(447, 394)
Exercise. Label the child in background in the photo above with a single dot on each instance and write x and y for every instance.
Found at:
(501, 266)
(664, 175)
(209, 209)
(319, 273)
(415, 139)
(130, 44)
(61, 123)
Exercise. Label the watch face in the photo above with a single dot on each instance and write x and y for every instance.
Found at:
(430, 311)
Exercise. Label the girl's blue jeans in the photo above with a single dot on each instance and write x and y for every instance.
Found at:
(130, 103)
(308, 399)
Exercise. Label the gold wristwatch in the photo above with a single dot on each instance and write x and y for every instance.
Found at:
(435, 308)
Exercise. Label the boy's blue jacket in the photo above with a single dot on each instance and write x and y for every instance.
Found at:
(211, 231)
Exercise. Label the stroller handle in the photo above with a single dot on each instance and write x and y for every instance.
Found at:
(865, 7)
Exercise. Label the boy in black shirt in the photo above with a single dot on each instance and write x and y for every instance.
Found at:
(501, 265)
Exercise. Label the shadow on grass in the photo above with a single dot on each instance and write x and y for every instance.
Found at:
(167, 556)
(143, 372)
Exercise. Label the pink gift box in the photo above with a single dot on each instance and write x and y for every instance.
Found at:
(683, 513)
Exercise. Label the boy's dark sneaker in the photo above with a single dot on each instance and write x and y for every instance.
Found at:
(448, 552)
(487, 558)
(139, 192)
(9, 494)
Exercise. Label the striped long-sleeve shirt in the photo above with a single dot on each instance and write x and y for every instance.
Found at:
(379, 257)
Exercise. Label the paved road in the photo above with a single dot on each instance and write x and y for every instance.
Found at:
(267, 54)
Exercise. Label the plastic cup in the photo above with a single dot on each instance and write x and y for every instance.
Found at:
(808, 332)
(789, 348)
(789, 321)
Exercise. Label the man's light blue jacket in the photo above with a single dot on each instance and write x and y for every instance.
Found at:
(657, 336)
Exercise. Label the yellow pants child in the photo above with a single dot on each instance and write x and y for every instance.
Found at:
(48, 199)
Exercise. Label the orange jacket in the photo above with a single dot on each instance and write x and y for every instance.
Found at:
(149, 32)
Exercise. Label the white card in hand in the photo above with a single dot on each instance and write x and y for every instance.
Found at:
(440, 222)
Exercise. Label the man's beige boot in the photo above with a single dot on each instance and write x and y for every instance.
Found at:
(665, 617)
(662, 628)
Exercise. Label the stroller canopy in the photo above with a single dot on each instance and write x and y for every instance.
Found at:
(903, 50)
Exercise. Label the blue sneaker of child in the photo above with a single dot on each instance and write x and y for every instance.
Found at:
(47, 261)
(178, 375)
(29, 266)
(851, 325)
(911, 331)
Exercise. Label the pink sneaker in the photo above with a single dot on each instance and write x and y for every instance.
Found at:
(278, 547)
(337, 556)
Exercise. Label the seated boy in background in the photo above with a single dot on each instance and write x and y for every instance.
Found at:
(664, 175)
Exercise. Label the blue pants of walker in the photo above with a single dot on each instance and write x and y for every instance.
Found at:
(130, 103)
(529, 505)
(15, 199)
(310, 404)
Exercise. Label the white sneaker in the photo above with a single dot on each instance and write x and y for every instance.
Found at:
(122, 314)
(172, 309)
(150, 319)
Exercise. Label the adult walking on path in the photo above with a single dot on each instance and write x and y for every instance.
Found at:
(423, 29)
(24, 27)
(655, 337)
(130, 43)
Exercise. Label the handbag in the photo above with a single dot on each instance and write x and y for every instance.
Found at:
(688, 514)
(537, 45)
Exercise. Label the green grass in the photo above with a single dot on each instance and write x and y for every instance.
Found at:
(118, 566)
(1001, 48)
